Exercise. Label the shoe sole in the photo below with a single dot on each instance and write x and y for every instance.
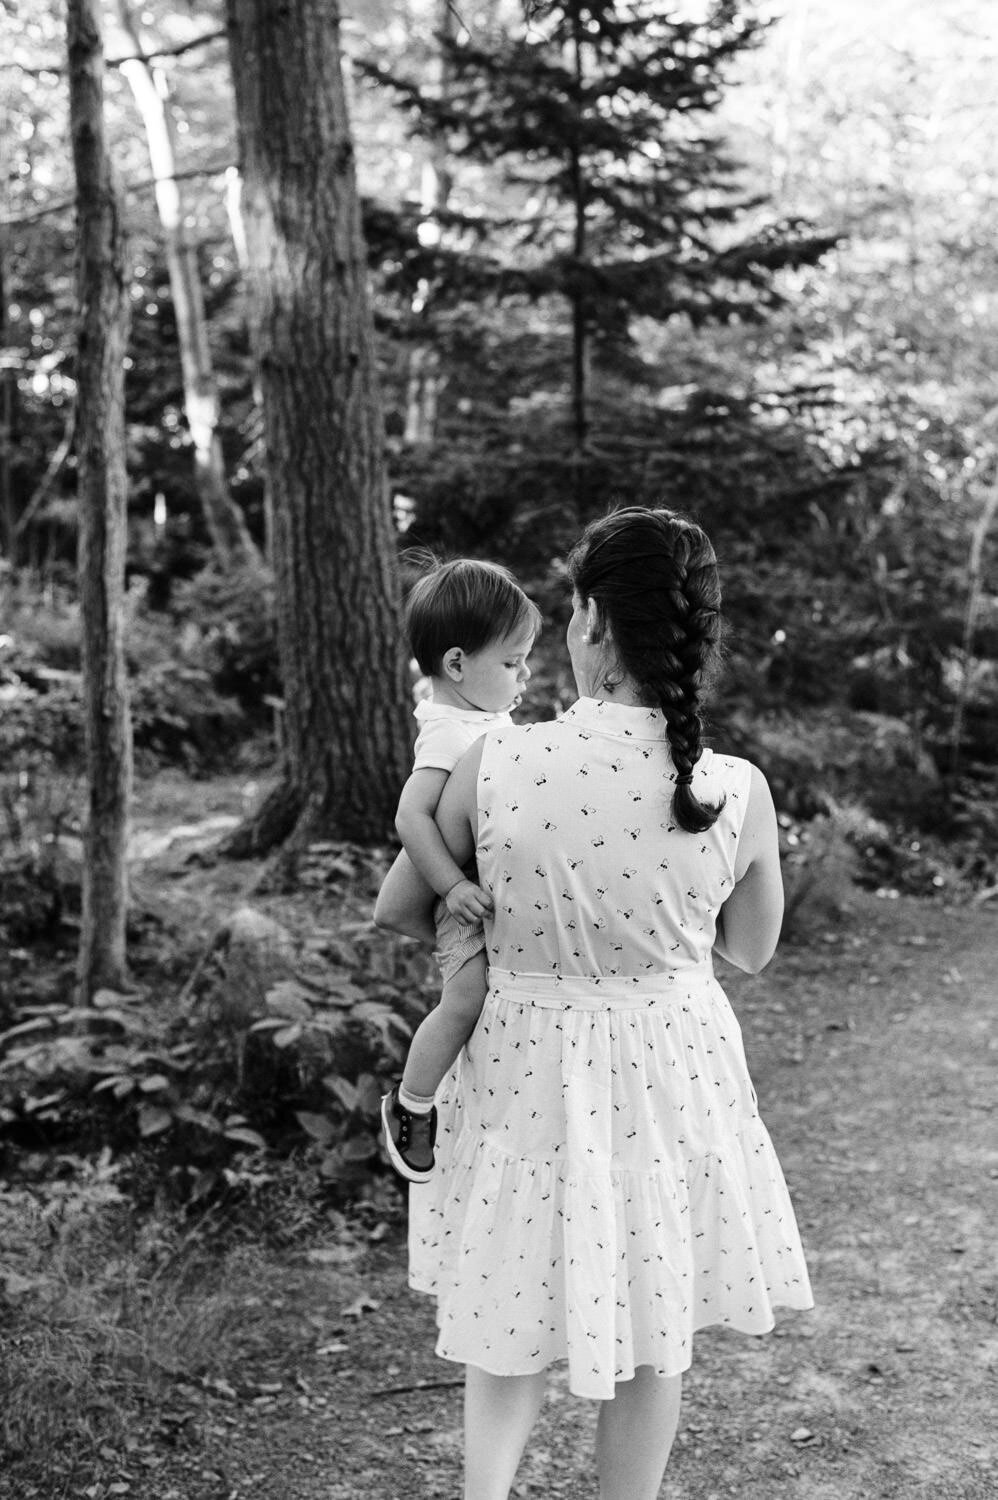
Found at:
(411, 1174)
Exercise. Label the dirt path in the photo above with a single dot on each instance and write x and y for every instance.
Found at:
(874, 1059)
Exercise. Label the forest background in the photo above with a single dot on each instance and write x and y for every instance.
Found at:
(777, 313)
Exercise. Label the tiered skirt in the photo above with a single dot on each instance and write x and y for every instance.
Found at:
(605, 1186)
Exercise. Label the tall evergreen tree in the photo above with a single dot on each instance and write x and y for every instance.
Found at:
(600, 115)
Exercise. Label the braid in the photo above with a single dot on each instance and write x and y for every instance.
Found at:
(659, 591)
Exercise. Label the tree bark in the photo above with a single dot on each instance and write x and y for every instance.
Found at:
(102, 288)
(234, 214)
(580, 329)
(8, 399)
(338, 615)
(231, 541)
(423, 376)
(978, 538)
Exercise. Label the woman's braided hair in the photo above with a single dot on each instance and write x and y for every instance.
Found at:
(653, 577)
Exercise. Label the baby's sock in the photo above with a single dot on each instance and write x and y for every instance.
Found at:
(416, 1104)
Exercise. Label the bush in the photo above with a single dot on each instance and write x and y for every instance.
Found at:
(229, 1067)
(816, 759)
(180, 718)
(200, 679)
(227, 628)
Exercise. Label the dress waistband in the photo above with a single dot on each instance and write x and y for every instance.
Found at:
(600, 991)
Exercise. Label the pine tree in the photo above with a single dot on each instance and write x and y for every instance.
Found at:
(599, 114)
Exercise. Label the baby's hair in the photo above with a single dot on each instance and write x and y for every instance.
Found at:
(464, 603)
(653, 577)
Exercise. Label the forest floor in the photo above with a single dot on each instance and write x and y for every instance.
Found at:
(871, 1046)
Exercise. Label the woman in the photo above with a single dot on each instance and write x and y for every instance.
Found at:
(605, 1185)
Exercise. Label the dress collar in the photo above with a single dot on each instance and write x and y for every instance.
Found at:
(426, 710)
(623, 720)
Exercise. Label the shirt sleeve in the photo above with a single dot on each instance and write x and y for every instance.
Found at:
(441, 743)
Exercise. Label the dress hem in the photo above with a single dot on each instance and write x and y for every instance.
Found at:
(603, 1390)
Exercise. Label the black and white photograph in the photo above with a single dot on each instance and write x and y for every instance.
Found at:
(498, 749)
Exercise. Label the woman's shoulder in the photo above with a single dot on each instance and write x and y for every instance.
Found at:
(729, 780)
(719, 764)
(520, 733)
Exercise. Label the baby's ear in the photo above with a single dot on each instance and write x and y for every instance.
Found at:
(453, 663)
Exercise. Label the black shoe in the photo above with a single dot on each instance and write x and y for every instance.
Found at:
(409, 1138)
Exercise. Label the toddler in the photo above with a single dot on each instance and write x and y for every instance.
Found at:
(471, 629)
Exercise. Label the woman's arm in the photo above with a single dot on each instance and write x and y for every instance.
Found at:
(749, 922)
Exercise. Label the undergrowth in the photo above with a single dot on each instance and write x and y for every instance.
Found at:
(105, 1313)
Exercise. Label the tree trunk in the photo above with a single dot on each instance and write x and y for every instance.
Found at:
(234, 214)
(978, 538)
(423, 373)
(102, 285)
(580, 395)
(233, 546)
(8, 399)
(338, 612)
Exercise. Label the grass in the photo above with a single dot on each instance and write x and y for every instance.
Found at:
(103, 1314)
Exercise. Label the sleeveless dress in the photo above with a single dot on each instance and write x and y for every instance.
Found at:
(605, 1186)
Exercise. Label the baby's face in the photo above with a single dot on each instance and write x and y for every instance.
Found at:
(493, 679)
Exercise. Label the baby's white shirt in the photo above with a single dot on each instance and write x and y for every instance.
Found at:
(445, 733)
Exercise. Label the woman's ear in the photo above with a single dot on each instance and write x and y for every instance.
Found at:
(453, 663)
(594, 623)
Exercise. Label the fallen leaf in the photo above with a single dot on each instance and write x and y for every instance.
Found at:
(333, 1255)
(360, 1306)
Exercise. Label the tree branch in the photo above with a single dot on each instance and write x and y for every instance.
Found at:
(197, 41)
(212, 170)
(46, 484)
(57, 69)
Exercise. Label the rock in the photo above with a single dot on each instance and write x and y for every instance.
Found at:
(258, 954)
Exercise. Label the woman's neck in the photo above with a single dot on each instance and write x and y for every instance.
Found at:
(623, 690)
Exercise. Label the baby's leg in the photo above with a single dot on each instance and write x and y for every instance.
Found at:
(405, 902)
(440, 1037)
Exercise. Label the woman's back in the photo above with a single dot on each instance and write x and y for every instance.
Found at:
(588, 871)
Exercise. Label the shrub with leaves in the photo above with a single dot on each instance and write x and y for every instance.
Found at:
(227, 628)
(349, 1042)
(201, 1081)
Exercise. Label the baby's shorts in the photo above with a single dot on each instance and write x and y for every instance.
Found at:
(457, 941)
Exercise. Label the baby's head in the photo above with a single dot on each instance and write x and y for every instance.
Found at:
(471, 626)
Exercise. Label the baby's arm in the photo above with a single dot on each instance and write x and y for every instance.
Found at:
(427, 850)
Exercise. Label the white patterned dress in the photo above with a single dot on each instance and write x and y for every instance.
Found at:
(605, 1186)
